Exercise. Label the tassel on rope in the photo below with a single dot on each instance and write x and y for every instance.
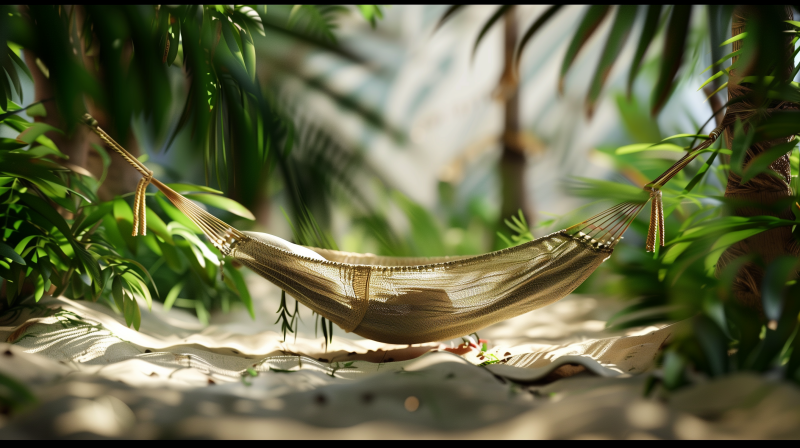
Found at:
(657, 203)
(222, 236)
(139, 212)
(656, 221)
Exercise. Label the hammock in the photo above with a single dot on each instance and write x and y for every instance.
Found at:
(414, 300)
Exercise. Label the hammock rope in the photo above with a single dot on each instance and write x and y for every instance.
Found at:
(414, 300)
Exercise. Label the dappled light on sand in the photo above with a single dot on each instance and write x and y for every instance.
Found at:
(194, 386)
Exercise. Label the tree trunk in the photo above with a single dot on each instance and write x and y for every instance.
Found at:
(512, 160)
(764, 189)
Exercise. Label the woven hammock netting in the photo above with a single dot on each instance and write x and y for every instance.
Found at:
(414, 300)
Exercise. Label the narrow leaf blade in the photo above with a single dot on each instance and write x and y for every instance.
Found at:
(488, 25)
(623, 22)
(648, 32)
(674, 43)
(593, 18)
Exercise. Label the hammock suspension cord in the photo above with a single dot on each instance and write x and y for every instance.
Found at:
(603, 230)
(221, 235)
(413, 300)
(606, 228)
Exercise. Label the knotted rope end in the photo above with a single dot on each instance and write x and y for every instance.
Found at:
(656, 220)
(139, 207)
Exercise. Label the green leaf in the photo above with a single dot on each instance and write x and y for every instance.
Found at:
(9, 144)
(714, 344)
(40, 151)
(128, 310)
(774, 284)
(23, 244)
(498, 14)
(734, 39)
(626, 14)
(533, 29)
(425, 231)
(252, 19)
(672, 137)
(137, 285)
(447, 15)
(717, 91)
(718, 20)
(123, 215)
(5, 91)
(7, 252)
(48, 212)
(12, 74)
(186, 188)
(90, 265)
(675, 251)
(671, 58)
(155, 224)
(726, 241)
(724, 58)
(29, 135)
(202, 312)
(174, 42)
(249, 52)
(609, 190)
(241, 289)
(172, 295)
(593, 18)
(761, 162)
(701, 172)
(222, 203)
(85, 199)
(741, 142)
(97, 215)
(639, 124)
(230, 35)
(639, 147)
(712, 78)
(779, 124)
(177, 216)
(106, 158)
(116, 292)
(201, 250)
(22, 165)
(371, 13)
(173, 259)
(151, 241)
(14, 57)
(36, 110)
(39, 289)
(730, 223)
(673, 371)
(146, 273)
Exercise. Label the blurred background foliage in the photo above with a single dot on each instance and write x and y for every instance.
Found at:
(207, 96)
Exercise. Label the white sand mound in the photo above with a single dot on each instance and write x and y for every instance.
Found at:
(174, 378)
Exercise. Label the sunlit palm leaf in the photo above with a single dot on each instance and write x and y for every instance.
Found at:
(591, 20)
(447, 15)
(674, 43)
(544, 18)
(498, 14)
(616, 40)
(649, 29)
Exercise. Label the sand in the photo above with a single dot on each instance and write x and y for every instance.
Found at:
(553, 373)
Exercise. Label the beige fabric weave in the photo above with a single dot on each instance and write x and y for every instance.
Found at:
(406, 304)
